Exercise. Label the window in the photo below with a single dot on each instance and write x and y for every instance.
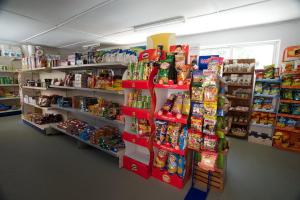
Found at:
(265, 53)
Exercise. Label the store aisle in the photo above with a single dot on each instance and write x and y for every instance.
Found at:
(34, 166)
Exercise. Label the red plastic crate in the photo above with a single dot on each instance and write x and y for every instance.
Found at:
(164, 176)
(133, 138)
(171, 118)
(136, 112)
(173, 86)
(136, 167)
(137, 84)
(170, 149)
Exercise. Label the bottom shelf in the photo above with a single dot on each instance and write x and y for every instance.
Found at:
(118, 154)
(287, 148)
(136, 167)
(42, 127)
(237, 136)
(10, 112)
(172, 179)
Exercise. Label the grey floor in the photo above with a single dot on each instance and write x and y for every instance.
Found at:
(38, 167)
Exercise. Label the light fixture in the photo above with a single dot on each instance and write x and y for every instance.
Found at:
(164, 22)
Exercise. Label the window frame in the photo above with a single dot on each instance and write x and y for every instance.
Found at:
(275, 43)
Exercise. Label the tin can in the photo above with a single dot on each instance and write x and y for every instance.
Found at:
(139, 104)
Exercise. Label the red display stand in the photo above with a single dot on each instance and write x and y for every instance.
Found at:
(162, 92)
(138, 149)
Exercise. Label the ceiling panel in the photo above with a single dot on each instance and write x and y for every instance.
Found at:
(226, 4)
(16, 28)
(61, 37)
(123, 14)
(52, 12)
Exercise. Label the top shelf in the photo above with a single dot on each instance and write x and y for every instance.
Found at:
(83, 67)
(224, 73)
(173, 87)
(269, 80)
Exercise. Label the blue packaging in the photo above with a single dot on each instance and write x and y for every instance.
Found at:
(203, 61)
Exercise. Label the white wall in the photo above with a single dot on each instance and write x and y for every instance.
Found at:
(287, 32)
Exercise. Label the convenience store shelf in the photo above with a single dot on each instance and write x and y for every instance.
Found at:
(136, 112)
(288, 129)
(134, 138)
(34, 88)
(171, 118)
(289, 101)
(78, 111)
(9, 85)
(172, 87)
(36, 70)
(225, 73)
(118, 154)
(263, 125)
(119, 92)
(170, 149)
(1, 71)
(238, 98)
(288, 115)
(9, 98)
(264, 110)
(291, 72)
(269, 80)
(10, 112)
(37, 106)
(266, 95)
(42, 127)
(137, 84)
(114, 65)
(291, 87)
(240, 86)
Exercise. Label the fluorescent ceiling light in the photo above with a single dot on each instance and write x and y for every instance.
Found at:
(164, 22)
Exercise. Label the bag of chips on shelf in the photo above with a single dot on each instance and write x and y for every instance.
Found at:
(161, 131)
(209, 124)
(210, 143)
(194, 140)
(177, 106)
(172, 163)
(197, 109)
(210, 94)
(169, 103)
(208, 161)
(183, 138)
(161, 159)
(197, 94)
(173, 131)
(186, 104)
(197, 123)
(181, 166)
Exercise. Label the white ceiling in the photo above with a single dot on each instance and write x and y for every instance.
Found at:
(74, 23)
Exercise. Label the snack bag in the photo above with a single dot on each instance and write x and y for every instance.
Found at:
(258, 88)
(210, 143)
(197, 94)
(149, 55)
(209, 124)
(143, 127)
(269, 71)
(163, 74)
(186, 104)
(182, 73)
(161, 131)
(296, 95)
(177, 106)
(181, 168)
(172, 163)
(194, 140)
(174, 135)
(161, 159)
(210, 78)
(183, 137)
(210, 108)
(196, 123)
(197, 109)
(208, 160)
(197, 78)
(169, 103)
(211, 94)
(215, 64)
(281, 122)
